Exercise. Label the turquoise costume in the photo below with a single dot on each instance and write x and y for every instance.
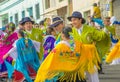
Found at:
(27, 57)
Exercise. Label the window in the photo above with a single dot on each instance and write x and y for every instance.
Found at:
(30, 10)
(47, 4)
(23, 14)
(16, 19)
(37, 11)
(86, 14)
(11, 19)
(70, 1)
(4, 19)
(61, 0)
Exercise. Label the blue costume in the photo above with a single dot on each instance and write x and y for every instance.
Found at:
(27, 58)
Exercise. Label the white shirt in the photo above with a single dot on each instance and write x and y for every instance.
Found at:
(80, 30)
(29, 31)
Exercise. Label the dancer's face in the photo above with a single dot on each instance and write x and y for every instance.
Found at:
(28, 26)
(107, 22)
(76, 22)
(59, 27)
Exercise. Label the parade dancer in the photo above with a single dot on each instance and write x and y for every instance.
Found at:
(62, 60)
(49, 41)
(27, 61)
(86, 35)
(33, 33)
(6, 46)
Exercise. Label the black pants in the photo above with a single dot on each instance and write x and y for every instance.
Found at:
(100, 70)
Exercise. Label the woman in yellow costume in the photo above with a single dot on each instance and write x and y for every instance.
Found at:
(68, 61)
(115, 53)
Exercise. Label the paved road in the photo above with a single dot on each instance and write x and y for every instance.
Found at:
(112, 74)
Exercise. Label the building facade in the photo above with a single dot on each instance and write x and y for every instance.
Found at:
(110, 8)
(84, 6)
(15, 10)
(62, 8)
(106, 8)
(116, 8)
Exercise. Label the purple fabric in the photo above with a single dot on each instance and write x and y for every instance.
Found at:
(48, 45)
(3, 66)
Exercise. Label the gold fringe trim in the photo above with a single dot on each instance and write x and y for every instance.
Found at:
(69, 64)
(114, 54)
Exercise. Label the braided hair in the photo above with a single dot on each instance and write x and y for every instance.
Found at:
(66, 31)
(23, 35)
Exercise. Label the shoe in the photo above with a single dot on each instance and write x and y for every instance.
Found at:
(3, 79)
(101, 72)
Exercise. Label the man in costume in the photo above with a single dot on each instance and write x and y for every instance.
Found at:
(86, 35)
(58, 25)
(104, 49)
(33, 33)
(114, 56)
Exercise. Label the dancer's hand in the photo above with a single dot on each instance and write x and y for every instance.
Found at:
(5, 56)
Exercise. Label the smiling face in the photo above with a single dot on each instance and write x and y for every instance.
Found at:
(59, 27)
(28, 26)
(107, 22)
(76, 22)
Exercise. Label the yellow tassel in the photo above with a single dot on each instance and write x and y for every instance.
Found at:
(69, 64)
(114, 54)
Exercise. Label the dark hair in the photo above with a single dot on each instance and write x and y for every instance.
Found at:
(49, 30)
(94, 4)
(89, 16)
(36, 24)
(83, 20)
(21, 32)
(107, 18)
(92, 20)
(41, 22)
(66, 31)
(12, 26)
(23, 35)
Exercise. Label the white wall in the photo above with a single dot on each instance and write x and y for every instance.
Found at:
(20, 7)
(54, 5)
(83, 5)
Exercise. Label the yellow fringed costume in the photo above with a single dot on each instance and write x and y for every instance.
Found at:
(70, 63)
(114, 54)
(91, 35)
